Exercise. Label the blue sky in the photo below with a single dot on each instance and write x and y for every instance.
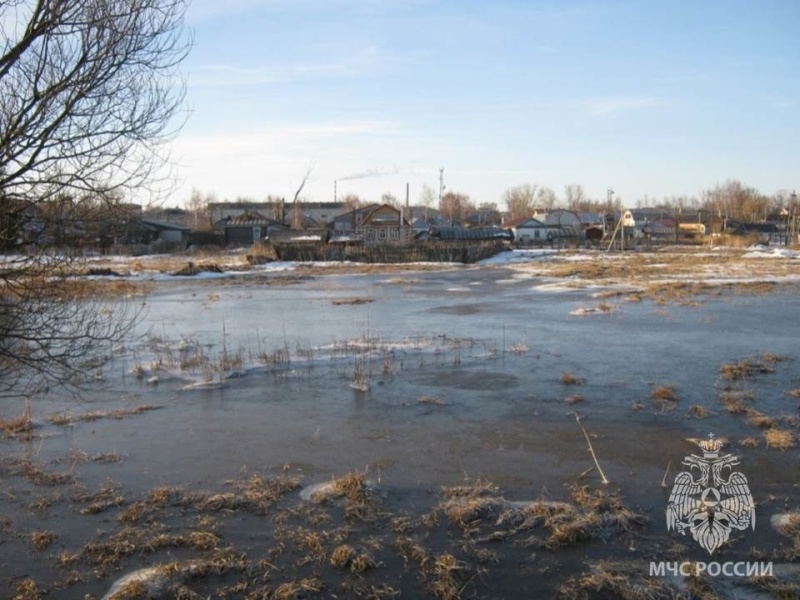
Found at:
(648, 98)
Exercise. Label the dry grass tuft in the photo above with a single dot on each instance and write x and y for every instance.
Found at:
(780, 590)
(346, 557)
(40, 540)
(758, 419)
(342, 556)
(734, 400)
(749, 442)
(617, 580)
(34, 472)
(96, 502)
(256, 494)
(664, 392)
(663, 398)
(473, 490)
(20, 426)
(133, 513)
(448, 577)
(780, 439)
(62, 418)
(568, 378)
(749, 366)
(28, 589)
(468, 511)
(162, 495)
(574, 399)
(412, 551)
(294, 590)
(699, 411)
(431, 401)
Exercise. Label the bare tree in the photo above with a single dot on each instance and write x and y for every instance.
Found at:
(89, 93)
(455, 207)
(297, 215)
(521, 200)
(546, 199)
(574, 196)
(734, 200)
(352, 202)
(427, 196)
(197, 205)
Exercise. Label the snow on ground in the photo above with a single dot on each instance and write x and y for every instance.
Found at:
(767, 252)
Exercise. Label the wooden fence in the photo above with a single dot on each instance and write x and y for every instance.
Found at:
(460, 252)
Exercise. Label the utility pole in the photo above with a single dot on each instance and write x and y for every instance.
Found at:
(610, 203)
(441, 185)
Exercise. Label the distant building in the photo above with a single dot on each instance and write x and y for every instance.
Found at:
(277, 210)
(249, 228)
(385, 224)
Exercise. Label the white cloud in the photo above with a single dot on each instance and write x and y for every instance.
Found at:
(272, 159)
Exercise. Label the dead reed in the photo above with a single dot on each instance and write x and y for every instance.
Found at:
(41, 540)
(568, 378)
(622, 581)
(779, 439)
(749, 367)
(62, 418)
(20, 426)
(663, 398)
(34, 472)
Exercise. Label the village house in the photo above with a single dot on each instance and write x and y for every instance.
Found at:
(249, 228)
(278, 210)
(527, 231)
(385, 224)
(344, 227)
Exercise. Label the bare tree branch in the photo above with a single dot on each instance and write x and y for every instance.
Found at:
(89, 94)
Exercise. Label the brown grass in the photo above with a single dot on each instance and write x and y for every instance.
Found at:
(734, 400)
(780, 439)
(568, 378)
(62, 418)
(256, 494)
(664, 392)
(449, 577)
(40, 540)
(106, 497)
(699, 411)
(749, 367)
(664, 398)
(34, 472)
(28, 589)
(621, 581)
(302, 588)
(759, 419)
(20, 426)
(779, 590)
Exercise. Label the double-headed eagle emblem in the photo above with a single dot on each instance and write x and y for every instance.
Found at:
(710, 499)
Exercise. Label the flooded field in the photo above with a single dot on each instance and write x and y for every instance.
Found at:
(301, 433)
